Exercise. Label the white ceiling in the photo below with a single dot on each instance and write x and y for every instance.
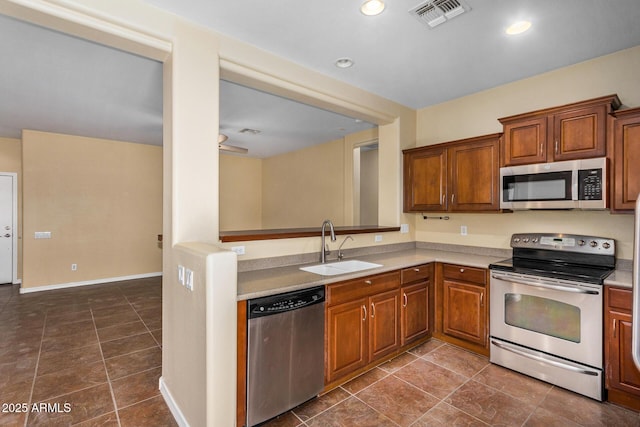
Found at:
(57, 83)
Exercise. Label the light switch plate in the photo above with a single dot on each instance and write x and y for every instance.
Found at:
(42, 234)
(181, 274)
(189, 279)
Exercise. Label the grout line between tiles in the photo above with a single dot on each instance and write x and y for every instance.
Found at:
(35, 372)
(104, 364)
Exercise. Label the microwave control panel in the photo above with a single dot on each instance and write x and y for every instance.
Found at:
(590, 184)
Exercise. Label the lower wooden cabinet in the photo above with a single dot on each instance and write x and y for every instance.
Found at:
(463, 307)
(417, 303)
(363, 318)
(622, 376)
(347, 338)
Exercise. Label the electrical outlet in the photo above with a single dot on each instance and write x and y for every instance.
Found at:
(404, 228)
(238, 249)
(74, 267)
(378, 238)
(463, 230)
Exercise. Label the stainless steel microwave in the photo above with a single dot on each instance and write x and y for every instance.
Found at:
(573, 184)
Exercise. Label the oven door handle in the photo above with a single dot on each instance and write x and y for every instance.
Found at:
(545, 285)
(541, 359)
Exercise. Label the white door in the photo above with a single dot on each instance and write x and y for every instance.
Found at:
(6, 228)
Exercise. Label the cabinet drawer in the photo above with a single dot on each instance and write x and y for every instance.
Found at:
(353, 289)
(465, 274)
(415, 274)
(621, 299)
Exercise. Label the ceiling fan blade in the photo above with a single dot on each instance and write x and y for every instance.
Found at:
(232, 149)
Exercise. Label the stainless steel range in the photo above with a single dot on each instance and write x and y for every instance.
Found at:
(546, 309)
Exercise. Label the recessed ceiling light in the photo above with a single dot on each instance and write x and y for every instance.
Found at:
(518, 28)
(344, 63)
(372, 7)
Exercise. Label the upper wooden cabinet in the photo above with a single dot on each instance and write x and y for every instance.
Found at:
(568, 132)
(626, 158)
(460, 176)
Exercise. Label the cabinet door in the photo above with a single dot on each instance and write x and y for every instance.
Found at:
(347, 339)
(415, 311)
(623, 373)
(464, 311)
(384, 315)
(579, 134)
(626, 157)
(425, 180)
(525, 142)
(474, 176)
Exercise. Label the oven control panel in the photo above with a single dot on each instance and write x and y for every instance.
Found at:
(564, 242)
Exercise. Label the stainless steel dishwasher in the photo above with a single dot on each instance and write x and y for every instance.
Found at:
(285, 357)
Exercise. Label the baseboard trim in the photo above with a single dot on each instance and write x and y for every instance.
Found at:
(88, 282)
(171, 403)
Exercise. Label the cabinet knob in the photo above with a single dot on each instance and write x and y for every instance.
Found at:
(417, 270)
(373, 310)
(404, 294)
(368, 282)
(462, 270)
(364, 317)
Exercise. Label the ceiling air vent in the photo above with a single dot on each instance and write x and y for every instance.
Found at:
(436, 12)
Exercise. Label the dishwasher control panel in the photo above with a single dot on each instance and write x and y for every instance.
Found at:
(285, 302)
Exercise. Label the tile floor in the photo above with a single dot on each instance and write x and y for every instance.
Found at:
(437, 384)
(96, 348)
(99, 349)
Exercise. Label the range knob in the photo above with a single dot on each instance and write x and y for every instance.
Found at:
(581, 242)
(593, 243)
(516, 239)
(534, 240)
(606, 245)
(526, 240)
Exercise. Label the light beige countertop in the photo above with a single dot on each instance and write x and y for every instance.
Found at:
(620, 278)
(271, 281)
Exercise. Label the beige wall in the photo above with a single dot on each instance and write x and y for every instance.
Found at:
(369, 187)
(297, 189)
(102, 202)
(477, 115)
(240, 193)
(11, 161)
(303, 188)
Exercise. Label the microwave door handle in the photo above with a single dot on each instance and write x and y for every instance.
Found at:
(574, 185)
(545, 285)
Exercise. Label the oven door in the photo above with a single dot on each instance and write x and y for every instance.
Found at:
(557, 317)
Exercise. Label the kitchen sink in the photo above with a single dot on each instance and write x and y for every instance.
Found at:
(340, 267)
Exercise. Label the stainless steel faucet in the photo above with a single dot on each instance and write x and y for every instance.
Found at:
(324, 251)
(340, 254)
